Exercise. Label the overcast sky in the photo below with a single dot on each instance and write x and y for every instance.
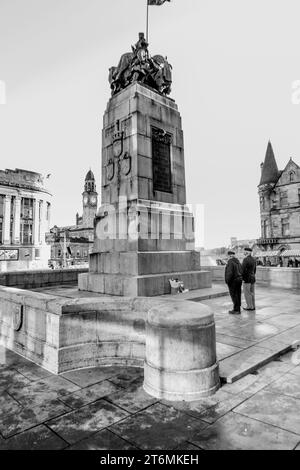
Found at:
(234, 62)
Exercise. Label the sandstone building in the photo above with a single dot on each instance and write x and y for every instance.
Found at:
(72, 244)
(279, 194)
(24, 219)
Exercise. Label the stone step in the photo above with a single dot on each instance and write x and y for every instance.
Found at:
(248, 361)
(212, 295)
(149, 285)
(199, 295)
(143, 263)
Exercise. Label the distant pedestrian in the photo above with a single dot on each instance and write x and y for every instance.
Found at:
(233, 278)
(248, 272)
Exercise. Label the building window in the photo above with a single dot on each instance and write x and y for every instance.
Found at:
(48, 212)
(12, 211)
(1, 217)
(78, 254)
(292, 176)
(262, 202)
(265, 229)
(285, 227)
(283, 198)
(59, 253)
(40, 220)
(26, 226)
(26, 232)
(37, 253)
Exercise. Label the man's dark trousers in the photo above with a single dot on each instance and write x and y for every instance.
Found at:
(235, 291)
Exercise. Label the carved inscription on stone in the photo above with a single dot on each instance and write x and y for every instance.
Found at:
(161, 160)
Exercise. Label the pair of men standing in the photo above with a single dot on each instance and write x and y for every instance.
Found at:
(237, 273)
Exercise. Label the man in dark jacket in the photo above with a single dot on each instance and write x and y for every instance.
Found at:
(233, 278)
(248, 272)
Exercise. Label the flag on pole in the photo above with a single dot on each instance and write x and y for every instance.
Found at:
(152, 2)
(157, 2)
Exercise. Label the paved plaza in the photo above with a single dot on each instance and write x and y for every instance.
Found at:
(105, 408)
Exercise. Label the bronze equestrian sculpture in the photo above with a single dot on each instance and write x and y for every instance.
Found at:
(138, 66)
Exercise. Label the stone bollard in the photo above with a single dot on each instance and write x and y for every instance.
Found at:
(181, 362)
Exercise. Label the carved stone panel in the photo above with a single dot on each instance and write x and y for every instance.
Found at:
(18, 317)
(161, 160)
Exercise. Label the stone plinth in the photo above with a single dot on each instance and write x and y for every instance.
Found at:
(144, 231)
(62, 334)
(181, 361)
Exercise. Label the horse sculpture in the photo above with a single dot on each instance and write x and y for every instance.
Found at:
(155, 71)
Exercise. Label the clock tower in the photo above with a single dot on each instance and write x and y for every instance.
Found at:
(89, 200)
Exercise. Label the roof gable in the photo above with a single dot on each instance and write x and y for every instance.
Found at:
(291, 174)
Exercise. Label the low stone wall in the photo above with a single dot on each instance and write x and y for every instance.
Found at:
(40, 278)
(63, 334)
(286, 278)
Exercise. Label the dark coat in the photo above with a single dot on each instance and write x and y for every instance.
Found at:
(249, 270)
(233, 271)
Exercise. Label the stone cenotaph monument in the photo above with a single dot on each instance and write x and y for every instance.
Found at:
(144, 231)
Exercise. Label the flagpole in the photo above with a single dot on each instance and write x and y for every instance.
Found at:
(147, 24)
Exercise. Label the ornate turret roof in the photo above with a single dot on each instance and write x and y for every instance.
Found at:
(270, 173)
(90, 176)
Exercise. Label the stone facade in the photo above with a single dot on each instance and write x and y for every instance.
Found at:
(72, 244)
(144, 230)
(24, 219)
(279, 193)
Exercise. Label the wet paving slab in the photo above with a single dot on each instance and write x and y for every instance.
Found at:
(81, 423)
(107, 408)
(132, 399)
(251, 331)
(264, 376)
(296, 371)
(12, 376)
(187, 446)
(236, 432)
(225, 350)
(8, 406)
(37, 392)
(122, 416)
(90, 394)
(38, 438)
(91, 376)
(33, 372)
(288, 385)
(158, 427)
(273, 408)
(212, 408)
(240, 343)
(128, 376)
(103, 440)
(28, 417)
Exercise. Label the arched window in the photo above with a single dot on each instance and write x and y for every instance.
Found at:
(292, 176)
